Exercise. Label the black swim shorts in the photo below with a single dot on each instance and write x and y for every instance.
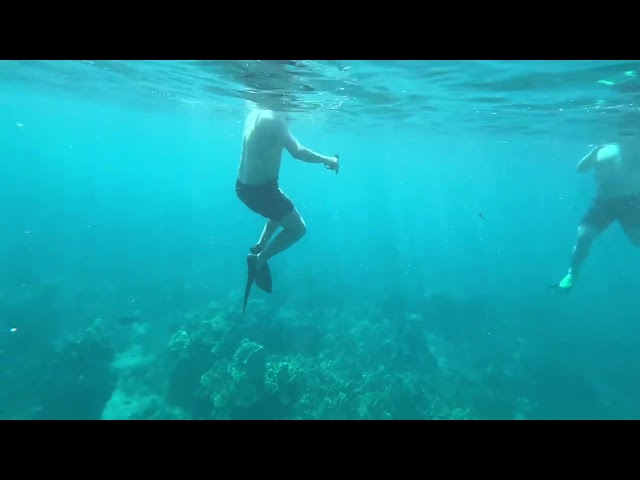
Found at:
(604, 211)
(266, 200)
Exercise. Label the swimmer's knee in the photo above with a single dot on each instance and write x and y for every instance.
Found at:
(300, 226)
(295, 223)
(587, 233)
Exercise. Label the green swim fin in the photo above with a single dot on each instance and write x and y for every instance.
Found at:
(565, 284)
(567, 281)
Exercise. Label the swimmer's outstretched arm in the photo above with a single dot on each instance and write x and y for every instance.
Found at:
(601, 153)
(589, 160)
(300, 152)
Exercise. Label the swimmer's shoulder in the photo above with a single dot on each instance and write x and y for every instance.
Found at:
(266, 124)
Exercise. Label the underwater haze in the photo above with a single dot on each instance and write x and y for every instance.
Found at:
(424, 287)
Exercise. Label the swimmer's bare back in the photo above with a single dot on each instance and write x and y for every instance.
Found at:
(266, 135)
(262, 145)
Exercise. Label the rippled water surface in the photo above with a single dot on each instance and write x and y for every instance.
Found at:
(577, 99)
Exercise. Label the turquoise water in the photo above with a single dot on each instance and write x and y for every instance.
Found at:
(419, 291)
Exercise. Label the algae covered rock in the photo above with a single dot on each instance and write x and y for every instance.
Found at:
(237, 383)
(286, 378)
(77, 379)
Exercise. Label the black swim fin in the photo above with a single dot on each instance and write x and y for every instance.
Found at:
(251, 276)
(263, 278)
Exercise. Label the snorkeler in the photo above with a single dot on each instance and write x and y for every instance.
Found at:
(617, 174)
(266, 134)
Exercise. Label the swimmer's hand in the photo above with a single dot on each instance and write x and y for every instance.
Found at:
(334, 164)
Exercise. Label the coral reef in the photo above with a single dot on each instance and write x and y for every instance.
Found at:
(77, 379)
(329, 364)
(69, 379)
(365, 363)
